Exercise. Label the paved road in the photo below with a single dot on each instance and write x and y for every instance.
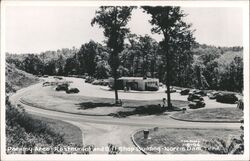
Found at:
(101, 130)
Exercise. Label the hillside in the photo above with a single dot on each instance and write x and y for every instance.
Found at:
(17, 79)
(25, 131)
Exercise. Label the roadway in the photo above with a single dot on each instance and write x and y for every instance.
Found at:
(101, 130)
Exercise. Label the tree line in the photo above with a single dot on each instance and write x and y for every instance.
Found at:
(218, 66)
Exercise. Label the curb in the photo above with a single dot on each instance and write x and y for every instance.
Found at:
(29, 104)
(134, 142)
(205, 121)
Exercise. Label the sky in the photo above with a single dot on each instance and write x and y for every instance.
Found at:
(30, 29)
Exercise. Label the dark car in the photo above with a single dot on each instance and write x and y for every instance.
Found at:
(72, 90)
(172, 90)
(89, 80)
(227, 98)
(46, 84)
(213, 95)
(152, 88)
(192, 97)
(199, 92)
(184, 92)
(56, 77)
(62, 87)
(197, 104)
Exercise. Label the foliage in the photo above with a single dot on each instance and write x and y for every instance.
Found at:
(140, 57)
(26, 132)
(23, 131)
(219, 146)
(178, 39)
(17, 79)
(231, 146)
(191, 64)
(114, 19)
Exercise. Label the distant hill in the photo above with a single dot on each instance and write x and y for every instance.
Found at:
(46, 56)
(17, 79)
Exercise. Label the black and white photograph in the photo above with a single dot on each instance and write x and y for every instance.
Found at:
(115, 80)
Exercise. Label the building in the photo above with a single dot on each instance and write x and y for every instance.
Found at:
(136, 83)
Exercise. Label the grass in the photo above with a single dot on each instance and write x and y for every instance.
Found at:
(70, 133)
(174, 141)
(30, 131)
(59, 101)
(17, 79)
(213, 114)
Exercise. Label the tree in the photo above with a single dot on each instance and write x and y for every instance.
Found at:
(102, 70)
(87, 56)
(177, 35)
(114, 20)
(50, 68)
(70, 66)
(32, 64)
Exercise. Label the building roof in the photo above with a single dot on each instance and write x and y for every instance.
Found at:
(136, 78)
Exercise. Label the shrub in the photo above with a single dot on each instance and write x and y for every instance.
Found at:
(219, 146)
(23, 131)
(233, 146)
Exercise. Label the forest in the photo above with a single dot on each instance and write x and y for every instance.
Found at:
(204, 67)
(177, 60)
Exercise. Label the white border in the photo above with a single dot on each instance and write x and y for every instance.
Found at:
(242, 4)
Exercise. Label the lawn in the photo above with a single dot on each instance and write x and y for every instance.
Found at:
(46, 98)
(175, 141)
(71, 133)
(212, 114)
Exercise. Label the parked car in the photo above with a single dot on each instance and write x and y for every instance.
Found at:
(101, 82)
(199, 92)
(62, 87)
(152, 88)
(213, 95)
(184, 92)
(57, 77)
(72, 90)
(46, 84)
(196, 104)
(192, 97)
(89, 80)
(226, 98)
(172, 90)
